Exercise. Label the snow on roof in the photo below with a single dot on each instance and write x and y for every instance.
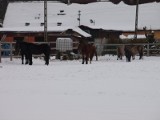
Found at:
(35, 29)
(132, 37)
(78, 30)
(105, 15)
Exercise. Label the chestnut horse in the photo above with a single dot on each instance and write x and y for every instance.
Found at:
(87, 50)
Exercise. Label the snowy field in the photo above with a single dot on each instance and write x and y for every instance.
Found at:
(67, 90)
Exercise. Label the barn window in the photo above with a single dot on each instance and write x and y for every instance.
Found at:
(61, 12)
(64, 44)
(27, 24)
(42, 24)
(18, 39)
(59, 24)
(39, 39)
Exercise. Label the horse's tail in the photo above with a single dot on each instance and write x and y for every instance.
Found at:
(140, 50)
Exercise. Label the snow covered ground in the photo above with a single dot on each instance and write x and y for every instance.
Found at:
(67, 90)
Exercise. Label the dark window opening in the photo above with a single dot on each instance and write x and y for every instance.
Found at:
(17, 39)
(39, 39)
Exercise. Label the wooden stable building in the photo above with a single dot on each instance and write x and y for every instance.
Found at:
(104, 26)
(32, 36)
(102, 37)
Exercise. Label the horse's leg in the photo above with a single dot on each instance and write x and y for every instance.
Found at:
(96, 55)
(26, 59)
(30, 59)
(128, 55)
(82, 59)
(140, 54)
(91, 57)
(86, 59)
(133, 54)
(121, 57)
(46, 59)
(129, 58)
(22, 57)
(118, 56)
(133, 57)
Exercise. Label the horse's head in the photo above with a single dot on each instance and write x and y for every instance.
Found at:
(80, 47)
(17, 47)
(81, 44)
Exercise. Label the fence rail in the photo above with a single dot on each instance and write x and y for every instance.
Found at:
(149, 49)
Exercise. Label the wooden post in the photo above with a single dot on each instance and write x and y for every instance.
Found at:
(11, 51)
(148, 49)
(136, 20)
(79, 17)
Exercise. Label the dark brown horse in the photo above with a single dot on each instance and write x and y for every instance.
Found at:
(28, 49)
(132, 50)
(87, 50)
(129, 51)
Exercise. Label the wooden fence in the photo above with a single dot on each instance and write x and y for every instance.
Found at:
(149, 49)
(9, 52)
